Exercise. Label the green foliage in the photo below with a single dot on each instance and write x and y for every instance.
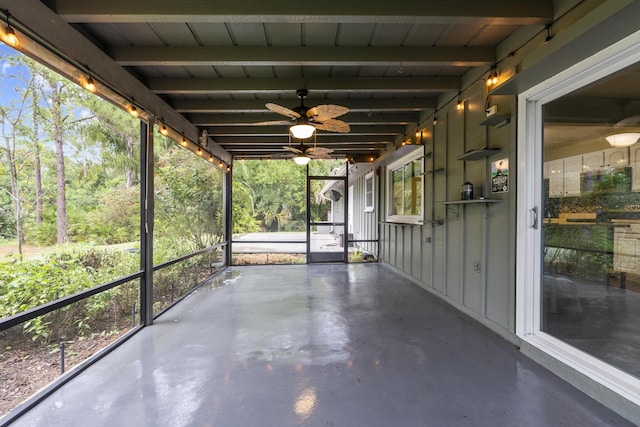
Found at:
(170, 283)
(188, 199)
(244, 220)
(273, 193)
(28, 284)
(7, 224)
(42, 234)
(117, 220)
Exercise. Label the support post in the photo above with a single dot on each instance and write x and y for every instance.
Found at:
(146, 223)
(228, 217)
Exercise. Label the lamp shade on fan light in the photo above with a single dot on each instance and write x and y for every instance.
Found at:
(302, 131)
(623, 139)
(301, 160)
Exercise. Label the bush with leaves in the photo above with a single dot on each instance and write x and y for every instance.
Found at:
(25, 284)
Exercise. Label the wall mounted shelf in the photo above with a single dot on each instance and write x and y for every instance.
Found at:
(497, 120)
(478, 154)
(433, 171)
(464, 202)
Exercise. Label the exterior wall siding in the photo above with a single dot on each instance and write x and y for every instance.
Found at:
(464, 253)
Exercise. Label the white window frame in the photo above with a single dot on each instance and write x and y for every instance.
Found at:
(529, 197)
(370, 178)
(400, 163)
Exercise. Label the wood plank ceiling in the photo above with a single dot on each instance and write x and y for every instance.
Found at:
(218, 62)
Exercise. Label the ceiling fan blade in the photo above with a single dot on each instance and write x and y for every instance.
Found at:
(629, 121)
(272, 122)
(319, 155)
(325, 112)
(292, 149)
(317, 150)
(282, 110)
(333, 125)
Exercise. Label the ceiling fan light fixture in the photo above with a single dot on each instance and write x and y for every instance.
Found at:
(623, 139)
(301, 160)
(302, 131)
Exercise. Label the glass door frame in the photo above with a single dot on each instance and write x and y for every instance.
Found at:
(529, 260)
(319, 257)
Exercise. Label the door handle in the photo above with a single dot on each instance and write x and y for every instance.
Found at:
(534, 223)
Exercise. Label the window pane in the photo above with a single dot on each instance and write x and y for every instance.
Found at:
(368, 192)
(398, 192)
(416, 188)
(591, 281)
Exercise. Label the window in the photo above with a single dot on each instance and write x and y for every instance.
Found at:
(404, 178)
(369, 193)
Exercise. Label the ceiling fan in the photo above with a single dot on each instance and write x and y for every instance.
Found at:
(305, 120)
(304, 154)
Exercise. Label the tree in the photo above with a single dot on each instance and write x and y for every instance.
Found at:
(119, 135)
(54, 89)
(35, 111)
(188, 199)
(11, 121)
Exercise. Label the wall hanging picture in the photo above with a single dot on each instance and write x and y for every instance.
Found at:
(500, 176)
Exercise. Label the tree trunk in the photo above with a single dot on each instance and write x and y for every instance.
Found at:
(15, 194)
(61, 214)
(131, 174)
(36, 152)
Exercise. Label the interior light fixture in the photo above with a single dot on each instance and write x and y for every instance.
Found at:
(459, 104)
(623, 139)
(302, 130)
(183, 142)
(164, 130)
(301, 160)
(211, 159)
(199, 151)
(435, 120)
(220, 164)
(134, 111)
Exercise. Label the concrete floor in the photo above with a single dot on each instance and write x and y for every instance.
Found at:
(316, 345)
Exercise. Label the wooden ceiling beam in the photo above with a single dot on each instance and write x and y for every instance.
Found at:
(273, 85)
(191, 56)
(505, 12)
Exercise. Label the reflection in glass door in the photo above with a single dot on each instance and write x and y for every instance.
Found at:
(327, 240)
(590, 294)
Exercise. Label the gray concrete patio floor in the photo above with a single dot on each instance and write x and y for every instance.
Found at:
(316, 345)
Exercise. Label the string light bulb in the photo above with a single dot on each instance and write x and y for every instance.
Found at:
(459, 105)
(134, 111)
(90, 85)
(211, 159)
(164, 130)
(435, 120)
(10, 36)
(199, 151)
(183, 141)
(492, 79)
(220, 164)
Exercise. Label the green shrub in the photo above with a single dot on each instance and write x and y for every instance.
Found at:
(25, 284)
